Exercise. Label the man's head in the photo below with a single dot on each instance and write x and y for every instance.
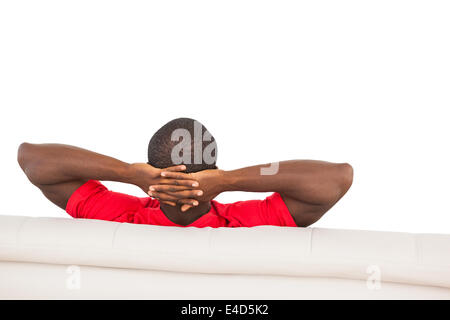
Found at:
(183, 141)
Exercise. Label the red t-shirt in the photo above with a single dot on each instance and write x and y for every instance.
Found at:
(94, 201)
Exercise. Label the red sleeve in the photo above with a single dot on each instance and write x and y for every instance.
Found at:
(94, 201)
(270, 211)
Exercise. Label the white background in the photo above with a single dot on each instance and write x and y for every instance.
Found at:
(364, 82)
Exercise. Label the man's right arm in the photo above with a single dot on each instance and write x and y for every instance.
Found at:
(309, 188)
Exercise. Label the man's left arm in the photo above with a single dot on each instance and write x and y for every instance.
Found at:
(59, 170)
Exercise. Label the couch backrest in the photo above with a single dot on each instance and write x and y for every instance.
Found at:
(422, 259)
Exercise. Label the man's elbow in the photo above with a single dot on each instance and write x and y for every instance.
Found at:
(26, 162)
(23, 155)
(345, 177)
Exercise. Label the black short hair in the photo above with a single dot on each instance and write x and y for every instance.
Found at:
(183, 141)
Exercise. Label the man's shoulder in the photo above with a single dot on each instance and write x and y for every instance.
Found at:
(148, 202)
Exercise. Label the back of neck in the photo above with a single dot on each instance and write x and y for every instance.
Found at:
(175, 214)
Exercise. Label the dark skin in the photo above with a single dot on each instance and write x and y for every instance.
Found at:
(58, 170)
(309, 188)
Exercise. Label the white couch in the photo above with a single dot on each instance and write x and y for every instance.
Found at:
(60, 258)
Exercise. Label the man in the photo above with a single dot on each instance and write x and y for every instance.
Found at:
(182, 179)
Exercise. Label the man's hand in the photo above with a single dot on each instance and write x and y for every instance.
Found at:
(145, 175)
(210, 182)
